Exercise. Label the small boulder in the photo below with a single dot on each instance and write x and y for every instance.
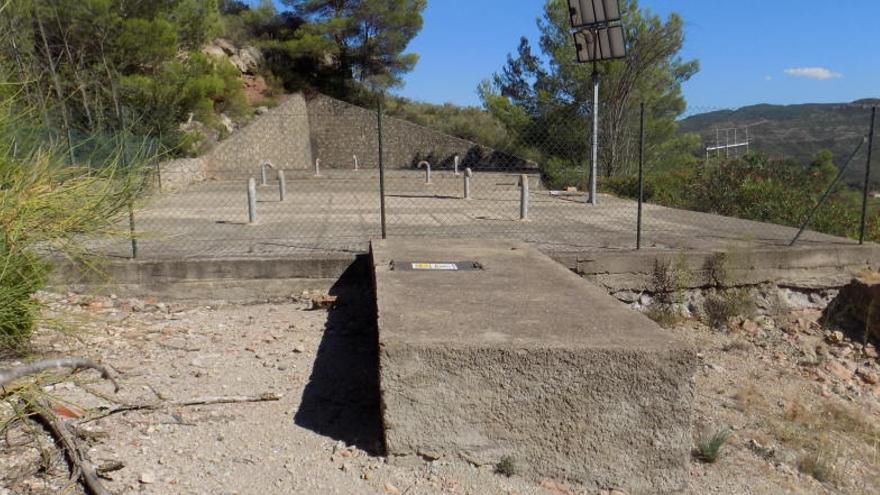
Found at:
(857, 305)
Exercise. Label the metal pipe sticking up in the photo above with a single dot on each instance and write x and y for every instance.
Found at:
(467, 183)
(317, 167)
(427, 170)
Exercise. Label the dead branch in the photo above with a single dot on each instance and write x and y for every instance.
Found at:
(9, 375)
(201, 401)
(80, 467)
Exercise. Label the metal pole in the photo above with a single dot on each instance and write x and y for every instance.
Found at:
(641, 175)
(523, 197)
(355, 162)
(131, 225)
(467, 183)
(282, 185)
(455, 163)
(381, 170)
(263, 174)
(317, 167)
(594, 153)
(867, 177)
(158, 163)
(252, 200)
(827, 193)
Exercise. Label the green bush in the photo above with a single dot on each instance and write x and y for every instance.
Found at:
(46, 209)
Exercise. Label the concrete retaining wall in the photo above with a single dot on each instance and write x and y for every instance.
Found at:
(300, 130)
(280, 137)
(340, 130)
(177, 174)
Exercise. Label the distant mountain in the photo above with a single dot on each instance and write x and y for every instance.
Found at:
(792, 131)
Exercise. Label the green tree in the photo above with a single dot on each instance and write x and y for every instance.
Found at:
(366, 39)
(95, 66)
(546, 99)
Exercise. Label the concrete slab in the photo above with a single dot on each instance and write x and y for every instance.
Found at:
(523, 358)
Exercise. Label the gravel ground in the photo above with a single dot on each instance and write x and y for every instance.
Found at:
(788, 391)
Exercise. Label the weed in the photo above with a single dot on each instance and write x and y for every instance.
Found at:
(748, 397)
(507, 466)
(668, 281)
(722, 305)
(663, 314)
(816, 465)
(709, 446)
(715, 270)
(736, 345)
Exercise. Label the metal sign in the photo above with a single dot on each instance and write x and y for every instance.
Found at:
(435, 266)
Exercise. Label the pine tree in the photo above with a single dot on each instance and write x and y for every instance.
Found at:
(366, 39)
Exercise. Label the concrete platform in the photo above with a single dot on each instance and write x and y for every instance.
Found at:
(523, 358)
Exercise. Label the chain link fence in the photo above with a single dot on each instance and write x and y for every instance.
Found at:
(306, 180)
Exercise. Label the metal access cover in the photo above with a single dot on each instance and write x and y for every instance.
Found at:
(439, 266)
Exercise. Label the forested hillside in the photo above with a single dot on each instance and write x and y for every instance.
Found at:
(178, 74)
(797, 132)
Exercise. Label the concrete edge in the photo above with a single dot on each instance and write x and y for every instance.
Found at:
(806, 267)
(231, 279)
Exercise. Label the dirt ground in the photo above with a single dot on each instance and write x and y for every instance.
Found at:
(801, 404)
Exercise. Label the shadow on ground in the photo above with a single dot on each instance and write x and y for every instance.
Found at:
(341, 400)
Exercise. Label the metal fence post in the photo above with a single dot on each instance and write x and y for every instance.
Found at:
(355, 162)
(641, 175)
(467, 183)
(381, 168)
(252, 200)
(282, 186)
(523, 197)
(455, 161)
(867, 178)
(317, 167)
(827, 192)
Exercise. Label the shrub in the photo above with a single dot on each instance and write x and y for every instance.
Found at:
(815, 465)
(709, 446)
(720, 306)
(46, 208)
(507, 466)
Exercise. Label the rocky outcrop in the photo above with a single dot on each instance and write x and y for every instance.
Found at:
(857, 306)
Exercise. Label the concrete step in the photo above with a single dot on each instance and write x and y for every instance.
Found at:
(490, 349)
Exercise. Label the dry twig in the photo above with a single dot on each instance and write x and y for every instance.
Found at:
(201, 401)
(10, 375)
(80, 467)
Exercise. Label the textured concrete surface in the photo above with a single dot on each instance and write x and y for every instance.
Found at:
(525, 359)
(339, 213)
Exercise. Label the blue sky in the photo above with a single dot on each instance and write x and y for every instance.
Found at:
(745, 48)
(751, 51)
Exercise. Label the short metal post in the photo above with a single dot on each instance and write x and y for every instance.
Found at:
(282, 186)
(523, 197)
(252, 200)
(263, 174)
(867, 178)
(427, 171)
(455, 161)
(317, 167)
(467, 183)
(355, 162)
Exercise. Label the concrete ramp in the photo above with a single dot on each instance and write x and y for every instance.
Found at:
(491, 349)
